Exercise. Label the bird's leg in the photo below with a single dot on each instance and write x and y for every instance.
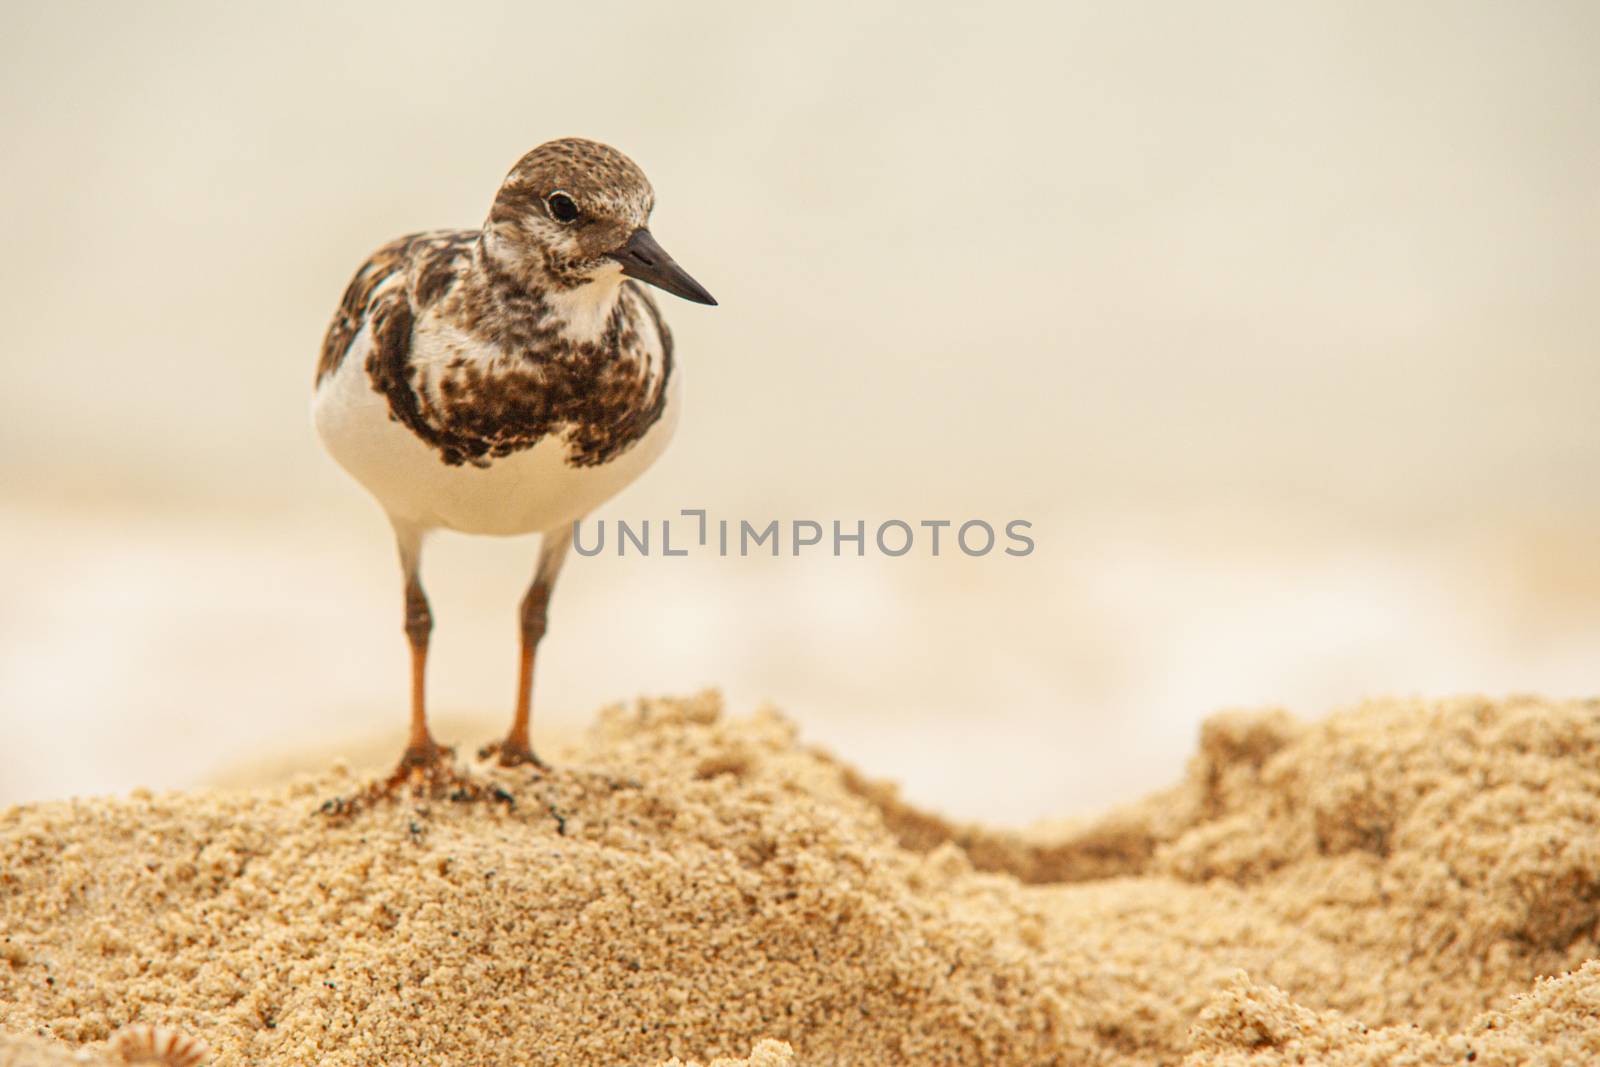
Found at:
(420, 746)
(425, 766)
(516, 748)
(423, 759)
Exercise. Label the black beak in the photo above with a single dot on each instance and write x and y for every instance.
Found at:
(642, 258)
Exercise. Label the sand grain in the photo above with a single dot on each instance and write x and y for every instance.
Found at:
(1395, 880)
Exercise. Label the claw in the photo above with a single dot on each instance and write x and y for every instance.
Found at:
(509, 754)
(423, 771)
(428, 769)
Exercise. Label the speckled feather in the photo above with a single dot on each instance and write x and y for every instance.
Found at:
(526, 378)
(485, 345)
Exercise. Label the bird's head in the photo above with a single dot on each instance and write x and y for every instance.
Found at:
(574, 212)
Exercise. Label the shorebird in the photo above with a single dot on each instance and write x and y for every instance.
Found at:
(505, 380)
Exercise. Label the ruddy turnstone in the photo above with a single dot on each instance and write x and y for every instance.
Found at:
(506, 380)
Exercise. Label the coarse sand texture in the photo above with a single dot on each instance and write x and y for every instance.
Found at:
(1404, 882)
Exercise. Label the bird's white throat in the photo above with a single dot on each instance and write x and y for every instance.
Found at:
(580, 313)
(584, 311)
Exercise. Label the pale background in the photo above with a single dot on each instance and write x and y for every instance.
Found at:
(1279, 321)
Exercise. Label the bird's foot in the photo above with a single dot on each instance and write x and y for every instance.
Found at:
(510, 753)
(425, 771)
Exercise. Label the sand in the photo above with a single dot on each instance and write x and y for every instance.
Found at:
(1404, 882)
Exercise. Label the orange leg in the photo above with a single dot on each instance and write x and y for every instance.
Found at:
(425, 766)
(517, 747)
(423, 759)
(420, 746)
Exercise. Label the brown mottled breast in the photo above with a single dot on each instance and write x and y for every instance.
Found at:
(603, 395)
(519, 379)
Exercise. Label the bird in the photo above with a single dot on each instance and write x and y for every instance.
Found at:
(505, 380)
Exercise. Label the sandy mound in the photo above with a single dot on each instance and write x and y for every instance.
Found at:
(1389, 884)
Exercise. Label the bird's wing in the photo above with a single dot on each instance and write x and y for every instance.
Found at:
(359, 303)
(426, 264)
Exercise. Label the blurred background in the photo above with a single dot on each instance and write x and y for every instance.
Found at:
(1279, 323)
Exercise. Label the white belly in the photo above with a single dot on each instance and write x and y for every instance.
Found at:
(534, 490)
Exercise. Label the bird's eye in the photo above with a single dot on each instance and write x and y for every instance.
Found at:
(562, 207)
